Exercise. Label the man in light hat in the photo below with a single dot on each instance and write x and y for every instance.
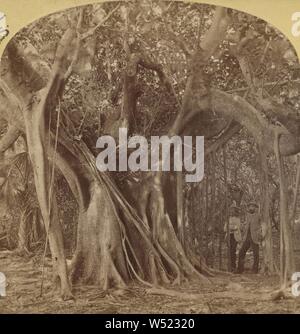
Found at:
(235, 236)
(252, 238)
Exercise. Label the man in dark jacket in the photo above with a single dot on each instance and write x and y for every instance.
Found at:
(252, 238)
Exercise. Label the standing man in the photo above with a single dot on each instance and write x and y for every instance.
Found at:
(235, 236)
(252, 238)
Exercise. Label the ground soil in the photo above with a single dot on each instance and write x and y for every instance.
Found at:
(235, 294)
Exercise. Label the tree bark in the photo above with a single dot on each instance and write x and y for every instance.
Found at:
(267, 240)
(286, 248)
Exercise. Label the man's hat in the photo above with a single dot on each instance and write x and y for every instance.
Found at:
(252, 204)
(234, 206)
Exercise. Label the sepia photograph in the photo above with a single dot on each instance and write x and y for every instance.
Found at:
(149, 162)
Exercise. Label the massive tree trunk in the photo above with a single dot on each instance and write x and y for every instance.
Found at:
(267, 240)
(286, 245)
(129, 248)
(99, 257)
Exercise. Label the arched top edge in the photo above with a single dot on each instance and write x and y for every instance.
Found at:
(279, 13)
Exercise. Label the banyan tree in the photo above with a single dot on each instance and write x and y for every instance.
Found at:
(138, 63)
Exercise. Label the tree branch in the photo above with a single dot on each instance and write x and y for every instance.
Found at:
(237, 108)
(77, 47)
(93, 30)
(158, 68)
(233, 129)
(216, 33)
(268, 84)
